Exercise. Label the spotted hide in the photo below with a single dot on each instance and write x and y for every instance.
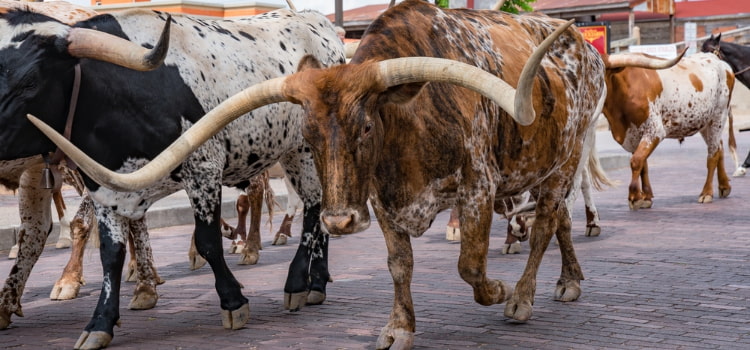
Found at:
(378, 132)
(142, 106)
(645, 106)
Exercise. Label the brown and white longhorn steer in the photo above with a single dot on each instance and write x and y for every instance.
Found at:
(645, 106)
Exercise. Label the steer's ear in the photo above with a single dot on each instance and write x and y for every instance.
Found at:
(308, 62)
(402, 93)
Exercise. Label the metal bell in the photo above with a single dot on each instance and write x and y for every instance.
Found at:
(48, 180)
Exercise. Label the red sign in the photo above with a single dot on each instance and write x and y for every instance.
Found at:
(596, 35)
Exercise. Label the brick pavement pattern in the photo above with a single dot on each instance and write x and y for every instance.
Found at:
(676, 276)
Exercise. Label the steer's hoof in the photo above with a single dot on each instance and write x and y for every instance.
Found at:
(145, 298)
(93, 340)
(640, 204)
(13, 252)
(724, 193)
(315, 298)
(593, 231)
(518, 310)
(452, 233)
(567, 290)
(295, 301)
(5, 319)
(196, 262)
(63, 242)
(280, 239)
(64, 290)
(235, 319)
(249, 258)
(395, 339)
(132, 275)
(741, 171)
(513, 248)
(705, 199)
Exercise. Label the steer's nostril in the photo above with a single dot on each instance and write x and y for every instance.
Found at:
(339, 222)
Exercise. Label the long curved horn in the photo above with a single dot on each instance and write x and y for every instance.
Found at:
(640, 61)
(291, 5)
(102, 46)
(514, 101)
(243, 102)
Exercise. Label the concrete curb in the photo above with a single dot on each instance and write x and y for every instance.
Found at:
(157, 217)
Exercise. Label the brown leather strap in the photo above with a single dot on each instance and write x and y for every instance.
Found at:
(58, 155)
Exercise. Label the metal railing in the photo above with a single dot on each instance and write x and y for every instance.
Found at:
(740, 35)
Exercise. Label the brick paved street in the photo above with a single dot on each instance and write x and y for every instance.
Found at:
(673, 277)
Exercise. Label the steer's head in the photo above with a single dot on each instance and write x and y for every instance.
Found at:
(345, 131)
(37, 59)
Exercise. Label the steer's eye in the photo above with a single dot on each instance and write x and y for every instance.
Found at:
(367, 129)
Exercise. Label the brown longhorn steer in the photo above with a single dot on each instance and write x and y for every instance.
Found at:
(645, 106)
(406, 134)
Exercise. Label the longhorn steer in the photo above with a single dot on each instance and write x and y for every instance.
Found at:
(137, 114)
(378, 132)
(645, 106)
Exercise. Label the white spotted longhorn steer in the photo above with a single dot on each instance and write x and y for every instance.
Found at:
(126, 117)
(645, 106)
(407, 134)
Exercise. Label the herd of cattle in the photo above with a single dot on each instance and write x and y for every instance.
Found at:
(437, 109)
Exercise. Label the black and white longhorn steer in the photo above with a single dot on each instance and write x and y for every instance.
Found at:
(125, 117)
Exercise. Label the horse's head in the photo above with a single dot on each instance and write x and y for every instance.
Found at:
(713, 45)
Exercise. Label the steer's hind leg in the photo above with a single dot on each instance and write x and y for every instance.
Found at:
(472, 261)
(145, 295)
(569, 285)
(250, 252)
(550, 207)
(69, 284)
(203, 187)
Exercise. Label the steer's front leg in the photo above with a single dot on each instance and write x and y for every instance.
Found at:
(36, 222)
(520, 306)
(399, 332)
(235, 308)
(112, 235)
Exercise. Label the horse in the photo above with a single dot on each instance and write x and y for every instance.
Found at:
(738, 57)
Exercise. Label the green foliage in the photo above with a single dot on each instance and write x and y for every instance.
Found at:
(516, 6)
(443, 3)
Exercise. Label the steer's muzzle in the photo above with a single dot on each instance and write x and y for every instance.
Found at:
(346, 221)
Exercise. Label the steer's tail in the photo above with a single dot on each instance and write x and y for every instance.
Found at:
(598, 177)
(732, 142)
